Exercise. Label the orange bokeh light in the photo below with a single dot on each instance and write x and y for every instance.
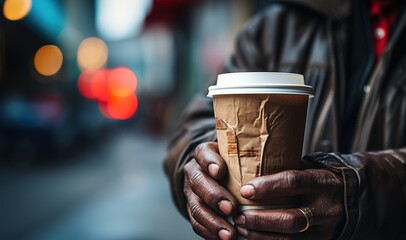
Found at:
(92, 53)
(16, 9)
(48, 60)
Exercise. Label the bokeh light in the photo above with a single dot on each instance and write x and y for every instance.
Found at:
(113, 89)
(99, 85)
(122, 82)
(121, 19)
(84, 84)
(122, 108)
(48, 60)
(16, 9)
(92, 54)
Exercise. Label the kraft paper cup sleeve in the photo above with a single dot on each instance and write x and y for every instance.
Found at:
(228, 150)
(260, 122)
(251, 136)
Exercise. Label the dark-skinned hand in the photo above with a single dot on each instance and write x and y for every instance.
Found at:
(209, 203)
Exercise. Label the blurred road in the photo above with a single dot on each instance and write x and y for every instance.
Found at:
(114, 191)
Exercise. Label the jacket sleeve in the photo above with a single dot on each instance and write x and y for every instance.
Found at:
(197, 126)
(374, 192)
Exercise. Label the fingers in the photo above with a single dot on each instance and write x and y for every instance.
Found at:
(278, 220)
(208, 157)
(287, 220)
(281, 224)
(252, 235)
(320, 191)
(290, 183)
(205, 221)
(206, 198)
(209, 190)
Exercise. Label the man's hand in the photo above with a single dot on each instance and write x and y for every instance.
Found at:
(319, 190)
(209, 203)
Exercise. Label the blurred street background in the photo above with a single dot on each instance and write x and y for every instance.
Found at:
(90, 91)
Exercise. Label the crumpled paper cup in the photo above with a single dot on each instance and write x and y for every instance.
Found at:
(260, 123)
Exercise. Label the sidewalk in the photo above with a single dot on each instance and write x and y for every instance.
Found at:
(118, 191)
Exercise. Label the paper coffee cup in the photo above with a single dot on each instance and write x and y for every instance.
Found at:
(260, 123)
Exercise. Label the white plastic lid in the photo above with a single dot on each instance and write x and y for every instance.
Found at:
(260, 83)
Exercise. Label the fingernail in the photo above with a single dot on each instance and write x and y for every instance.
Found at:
(247, 191)
(225, 206)
(242, 231)
(240, 219)
(213, 169)
(224, 234)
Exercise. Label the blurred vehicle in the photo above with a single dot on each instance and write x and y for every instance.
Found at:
(31, 129)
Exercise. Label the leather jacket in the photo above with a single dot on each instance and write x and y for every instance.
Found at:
(311, 38)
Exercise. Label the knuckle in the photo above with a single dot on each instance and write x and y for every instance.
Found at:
(293, 223)
(211, 223)
(199, 218)
(334, 181)
(195, 225)
(186, 187)
(335, 212)
(186, 191)
(199, 149)
(328, 179)
(198, 229)
(291, 179)
(191, 201)
(191, 169)
(202, 187)
(195, 210)
(188, 211)
(257, 222)
(188, 168)
(196, 178)
(200, 184)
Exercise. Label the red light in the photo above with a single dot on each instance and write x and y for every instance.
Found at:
(122, 107)
(103, 109)
(113, 89)
(99, 85)
(84, 84)
(122, 81)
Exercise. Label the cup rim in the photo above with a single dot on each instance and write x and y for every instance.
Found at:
(260, 83)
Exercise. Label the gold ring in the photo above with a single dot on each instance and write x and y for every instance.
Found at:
(309, 217)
